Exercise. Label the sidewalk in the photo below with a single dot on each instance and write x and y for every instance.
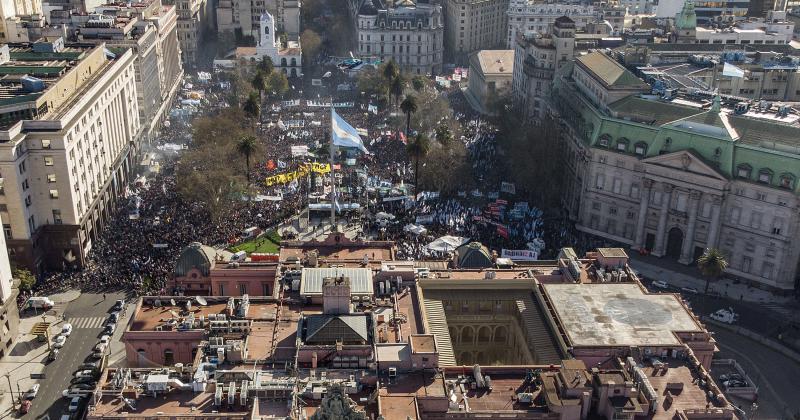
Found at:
(678, 275)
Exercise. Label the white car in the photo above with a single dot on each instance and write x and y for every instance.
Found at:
(100, 347)
(105, 339)
(66, 330)
(661, 284)
(690, 290)
(84, 373)
(59, 341)
(31, 394)
(727, 316)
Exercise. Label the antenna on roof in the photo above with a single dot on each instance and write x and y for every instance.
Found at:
(201, 300)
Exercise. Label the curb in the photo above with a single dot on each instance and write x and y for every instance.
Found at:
(774, 345)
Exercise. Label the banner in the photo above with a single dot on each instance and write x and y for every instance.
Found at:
(303, 170)
(520, 254)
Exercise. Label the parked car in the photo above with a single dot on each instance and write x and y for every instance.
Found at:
(66, 330)
(59, 341)
(74, 404)
(88, 373)
(113, 318)
(84, 387)
(118, 305)
(110, 329)
(100, 347)
(727, 316)
(689, 290)
(53, 355)
(661, 284)
(72, 393)
(33, 392)
(105, 339)
(89, 366)
(81, 380)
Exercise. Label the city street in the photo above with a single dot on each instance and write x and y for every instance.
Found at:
(87, 314)
(773, 373)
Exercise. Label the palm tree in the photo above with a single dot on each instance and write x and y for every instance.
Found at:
(443, 135)
(409, 106)
(252, 107)
(247, 146)
(265, 65)
(260, 83)
(417, 148)
(396, 88)
(712, 265)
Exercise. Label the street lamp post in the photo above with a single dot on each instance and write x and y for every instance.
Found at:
(11, 390)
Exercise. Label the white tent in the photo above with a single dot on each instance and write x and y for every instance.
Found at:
(447, 243)
(415, 229)
(384, 215)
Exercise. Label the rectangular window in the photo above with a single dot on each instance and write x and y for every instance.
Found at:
(57, 217)
(51, 178)
(32, 224)
(736, 213)
(767, 269)
(600, 180)
(222, 290)
(48, 161)
(746, 262)
(266, 289)
(777, 226)
(681, 202)
(53, 193)
(7, 230)
(755, 220)
(761, 196)
(45, 144)
(617, 188)
(634, 191)
(706, 211)
(242, 289)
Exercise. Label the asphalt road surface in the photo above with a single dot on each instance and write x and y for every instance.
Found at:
(87, 314)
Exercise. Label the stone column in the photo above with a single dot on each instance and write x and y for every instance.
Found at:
(641, 222)
(687, 248)
(714, 227)
(662, 219)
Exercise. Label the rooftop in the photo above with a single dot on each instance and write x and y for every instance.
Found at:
(610, 72)
(148, 316)
(496, 61)
(618, 314)
(312, 278)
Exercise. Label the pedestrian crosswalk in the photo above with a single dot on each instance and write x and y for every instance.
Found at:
(87, 322)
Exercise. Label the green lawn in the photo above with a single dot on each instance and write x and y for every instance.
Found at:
(267, 243)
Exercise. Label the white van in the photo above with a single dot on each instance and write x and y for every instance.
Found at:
(239, 256)
(40, 302)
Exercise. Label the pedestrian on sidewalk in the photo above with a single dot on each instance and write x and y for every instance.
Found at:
(104, 296)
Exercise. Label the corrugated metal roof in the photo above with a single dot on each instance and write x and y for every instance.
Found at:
(360, 280)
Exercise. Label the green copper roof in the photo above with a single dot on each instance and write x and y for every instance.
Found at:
(608, 70)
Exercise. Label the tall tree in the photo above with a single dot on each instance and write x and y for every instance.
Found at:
(311, 42)
(409, 106)
(266, 65)
(246, 146)
(443, 135)
(712, 265)
(252, 107)
(390, 70)
(396, 89)
(417, 148)
(259, 83)
(278, 83)
(418, 83)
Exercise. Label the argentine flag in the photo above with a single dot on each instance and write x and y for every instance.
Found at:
(343, 134)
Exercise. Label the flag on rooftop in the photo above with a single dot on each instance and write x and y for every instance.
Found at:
(343, 134)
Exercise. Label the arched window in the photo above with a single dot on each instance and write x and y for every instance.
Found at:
(765, 176)
(622, 144)
(787, 181)
(640, 148)
(283, 62)
(294, 62)
(743, 171)
(604, 140)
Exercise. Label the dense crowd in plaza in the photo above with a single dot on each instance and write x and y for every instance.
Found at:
(138, 253)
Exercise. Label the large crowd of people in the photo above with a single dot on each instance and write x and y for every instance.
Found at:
(138, 253)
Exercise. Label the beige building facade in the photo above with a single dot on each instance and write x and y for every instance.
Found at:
(490, 76)
(472, 25)
(65, 155)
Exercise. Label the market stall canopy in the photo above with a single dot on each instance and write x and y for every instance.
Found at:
(415, 229)
(447, 243)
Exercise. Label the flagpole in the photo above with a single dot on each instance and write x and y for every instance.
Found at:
(333, 177)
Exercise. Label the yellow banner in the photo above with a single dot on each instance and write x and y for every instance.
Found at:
(303, 170)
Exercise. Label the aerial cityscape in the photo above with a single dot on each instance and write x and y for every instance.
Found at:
(400, 209)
